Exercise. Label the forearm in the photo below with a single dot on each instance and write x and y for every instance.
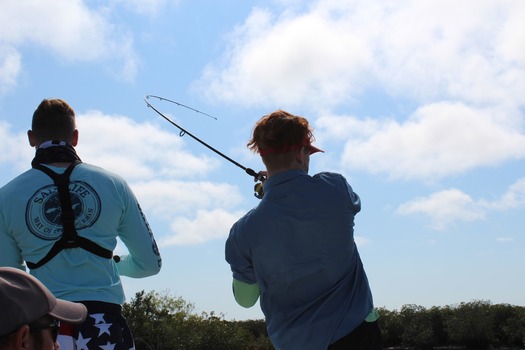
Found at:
(130, 266)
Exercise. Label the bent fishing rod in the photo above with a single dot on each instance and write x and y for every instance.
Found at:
(258, 188)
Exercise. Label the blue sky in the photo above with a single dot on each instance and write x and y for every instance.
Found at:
(419, 104)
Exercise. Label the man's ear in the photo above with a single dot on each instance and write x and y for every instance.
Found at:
(21, 338)
(299, 158)
(74, 139)
(31, 138)
(299, 155)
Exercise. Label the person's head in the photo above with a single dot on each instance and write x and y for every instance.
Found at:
(53, 120)
(30, 314)
(284, 141)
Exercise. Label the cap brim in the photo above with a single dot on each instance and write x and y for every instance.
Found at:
(68, 311)
(314, 149)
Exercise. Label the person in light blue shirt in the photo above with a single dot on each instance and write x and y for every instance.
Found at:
(62, 219)
(296, 250)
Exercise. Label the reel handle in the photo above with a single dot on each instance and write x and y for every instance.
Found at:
(258, 187)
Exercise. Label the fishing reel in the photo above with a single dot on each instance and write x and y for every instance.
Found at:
(258, 190)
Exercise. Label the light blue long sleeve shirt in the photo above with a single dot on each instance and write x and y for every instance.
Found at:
(105, 209)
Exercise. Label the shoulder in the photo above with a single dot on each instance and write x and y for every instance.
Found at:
(15, 184)
(327, 175)
(332, 179)
(245, 219)
(246, 224)
(101, 178)
(100, 172)
(340, 184)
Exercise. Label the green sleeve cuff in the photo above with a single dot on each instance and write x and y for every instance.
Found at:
(245, 294)
(372, 316)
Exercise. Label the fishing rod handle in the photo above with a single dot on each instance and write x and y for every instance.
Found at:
(257, 176)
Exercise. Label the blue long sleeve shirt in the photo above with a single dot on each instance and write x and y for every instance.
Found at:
(298, 246)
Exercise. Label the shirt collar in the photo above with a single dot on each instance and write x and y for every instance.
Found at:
(280, 178)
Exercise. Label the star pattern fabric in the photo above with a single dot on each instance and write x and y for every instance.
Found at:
(105, 328)
(99, 318)
(81, 343)
(108, 346)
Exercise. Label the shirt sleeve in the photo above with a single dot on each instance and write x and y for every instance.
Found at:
(144, 258)
(10, 254)
(354, 198)
(238, 256)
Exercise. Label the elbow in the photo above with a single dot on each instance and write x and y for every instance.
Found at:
(154, 268)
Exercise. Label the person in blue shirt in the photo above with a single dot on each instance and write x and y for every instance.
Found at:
(296, 250)
(62, 218)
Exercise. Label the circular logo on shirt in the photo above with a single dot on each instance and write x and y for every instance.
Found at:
(43, 209)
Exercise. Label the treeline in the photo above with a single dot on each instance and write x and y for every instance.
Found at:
(473, 325)
(161, 321)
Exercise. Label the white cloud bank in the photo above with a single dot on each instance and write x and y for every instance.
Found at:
(462, 65)
(78, 33)
(437, 140)
(166, 178)
(450, 206)
(205, 226)
(335, 50)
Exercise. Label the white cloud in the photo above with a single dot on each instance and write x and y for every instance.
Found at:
(195, 212)
(437, 140)
(10, 67)
(514, 197)
(15, 152)
(289, 59)
(361, 241)
(205, 226)
(336, 49)
(444, 207)
(77, 33)
(149, 7)
(164, 176)
(445, 49)
(463, 65)
(450, 206)
(169, 198)
(138, 151)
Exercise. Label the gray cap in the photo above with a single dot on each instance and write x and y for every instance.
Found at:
(24, 299)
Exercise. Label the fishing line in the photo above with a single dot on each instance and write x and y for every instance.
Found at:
(258, 189)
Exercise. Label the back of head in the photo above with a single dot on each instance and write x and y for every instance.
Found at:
(24, 299)
(53, 119)
(280, 132)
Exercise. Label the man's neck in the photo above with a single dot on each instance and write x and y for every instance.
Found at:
(59, 165)
(276, 171)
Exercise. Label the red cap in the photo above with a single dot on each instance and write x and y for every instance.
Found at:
(288, 148)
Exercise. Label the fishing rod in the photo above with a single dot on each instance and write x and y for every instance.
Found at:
(258, 188)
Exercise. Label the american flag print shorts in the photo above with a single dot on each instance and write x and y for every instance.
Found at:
(104, 328)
